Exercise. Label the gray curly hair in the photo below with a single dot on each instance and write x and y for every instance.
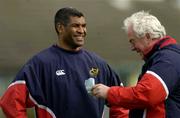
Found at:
(142, 22)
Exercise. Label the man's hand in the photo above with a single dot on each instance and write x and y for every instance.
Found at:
(100, 91)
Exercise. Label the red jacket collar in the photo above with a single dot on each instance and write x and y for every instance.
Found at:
(167, 40)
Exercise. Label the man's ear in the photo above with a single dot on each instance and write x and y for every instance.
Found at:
(148, 36)
(60, 28)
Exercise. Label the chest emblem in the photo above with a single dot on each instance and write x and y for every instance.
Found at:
(94, 72)
(60, 72)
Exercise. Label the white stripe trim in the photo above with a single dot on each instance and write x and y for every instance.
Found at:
(161, 80)
(17, 82)
(42, 107)
(102, 114)
(145, 113)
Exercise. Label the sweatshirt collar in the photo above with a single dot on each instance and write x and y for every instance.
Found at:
(167, 40)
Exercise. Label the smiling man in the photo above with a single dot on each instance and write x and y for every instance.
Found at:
(57, 81)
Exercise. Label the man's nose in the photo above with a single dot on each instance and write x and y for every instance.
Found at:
(132, 48)
(81, 30)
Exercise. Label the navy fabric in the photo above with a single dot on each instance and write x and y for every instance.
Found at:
(165, 62)
(64, 93)
(167, 65)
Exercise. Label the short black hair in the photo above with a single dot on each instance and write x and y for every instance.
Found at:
(63, 15)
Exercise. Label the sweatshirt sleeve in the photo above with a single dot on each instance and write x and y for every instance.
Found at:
(15, 100)
(118, 112)
(149, 91)
(17, 97)
(114, 111)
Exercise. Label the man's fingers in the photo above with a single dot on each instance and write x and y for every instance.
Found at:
(95, 86)
(96, 91)
(96, 94)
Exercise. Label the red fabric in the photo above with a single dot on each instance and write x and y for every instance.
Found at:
(167, 42)
(43, 113)
(143, 95)
(15, 101)
(118, 112)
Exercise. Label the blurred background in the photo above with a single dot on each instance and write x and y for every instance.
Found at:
(27, 27)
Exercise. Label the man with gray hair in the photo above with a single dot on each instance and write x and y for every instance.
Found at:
(157, 92)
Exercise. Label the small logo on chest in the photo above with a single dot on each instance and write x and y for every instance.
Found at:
(60, 72)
